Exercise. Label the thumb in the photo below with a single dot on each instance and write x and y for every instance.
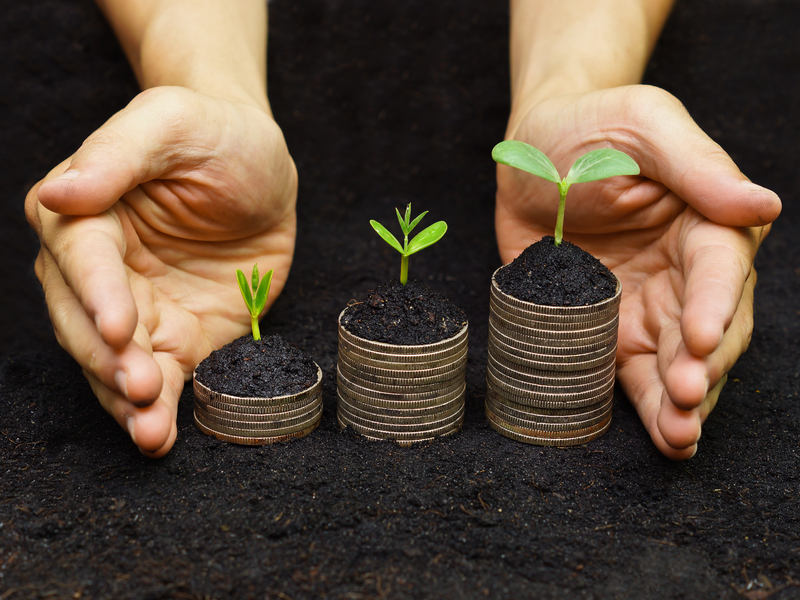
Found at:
(680, 155)
(134, 146)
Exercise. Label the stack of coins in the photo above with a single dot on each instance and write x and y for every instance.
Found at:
(403, 393)
(550, 372)
(257, 421)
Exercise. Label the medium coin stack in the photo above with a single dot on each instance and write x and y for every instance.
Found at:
(550, 373)
(403, 393)
(257, 421)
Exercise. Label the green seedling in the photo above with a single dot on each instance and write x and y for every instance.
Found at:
(592, 166)
(422, 240)
(257, 299)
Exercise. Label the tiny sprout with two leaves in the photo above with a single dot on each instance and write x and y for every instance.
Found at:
(422, 240)
(257, 299)
(592, 166)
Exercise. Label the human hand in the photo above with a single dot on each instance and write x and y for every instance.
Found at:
(141, 232)
(682, 238)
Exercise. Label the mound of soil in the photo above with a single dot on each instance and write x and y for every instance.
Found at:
(265, 368)
(564, 275)
(407, 315)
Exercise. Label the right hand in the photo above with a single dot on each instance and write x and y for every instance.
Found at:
(141, 233)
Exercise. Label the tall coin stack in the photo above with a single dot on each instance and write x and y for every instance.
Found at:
(403, 393)
(550, 372)
(257, 421)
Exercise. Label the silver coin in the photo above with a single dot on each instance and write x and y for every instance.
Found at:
(549, 323)
(264, 427)
(564, 379)
(546, 357)
(501, 300)
(559, 310)
(543, 344)
(565, 364)
(545, 415)
(216, 411)
(209, 396)
(512, 385)
(442, 412)
(381, 432)
(558, 400)
(545, 440)
(255, 441)
(405, 374)
(384, 407)
(435, 347)
(399, 383)
(397, 393)
(388, 362)
(400, 427)
(403, 439)
(253, 411)
(569, 349)
(532, 423)
(535, 333)
(417, 358)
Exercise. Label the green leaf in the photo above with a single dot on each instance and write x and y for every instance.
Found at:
(524, 156)
(245, 289)
(428, 236)
(408, 213)
(255, 278)
(416, 221)
(599, 164)
(387, 236)
(403, 224)
(263, 292)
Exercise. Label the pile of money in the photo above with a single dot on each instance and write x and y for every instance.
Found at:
(550, 372)
(257, 421)
(403, 393)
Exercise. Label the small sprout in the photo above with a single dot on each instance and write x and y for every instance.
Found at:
(594, 165)
(257, 299)
(427, 237)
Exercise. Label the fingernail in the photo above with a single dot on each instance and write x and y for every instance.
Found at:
(695, 451)
(121, 379)
(130, 422)
(70, 175)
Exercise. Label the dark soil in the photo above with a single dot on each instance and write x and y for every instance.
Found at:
(564, 275)
(383, 103)
(265, 368)
(406, 315)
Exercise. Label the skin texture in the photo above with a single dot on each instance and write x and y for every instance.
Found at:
(143, 228)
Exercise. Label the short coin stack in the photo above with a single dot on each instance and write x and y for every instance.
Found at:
(550, 373)
(257, 421)
(403, 393)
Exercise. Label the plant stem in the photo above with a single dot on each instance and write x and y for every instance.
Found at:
(562, 203)
(254, 325)
(404, 270)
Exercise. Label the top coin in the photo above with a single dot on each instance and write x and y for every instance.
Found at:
(558, 310)
(209, 396)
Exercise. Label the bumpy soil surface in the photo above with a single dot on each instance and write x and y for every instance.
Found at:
(383, 103)
(266, 368)
(564, 275)
(406, 315)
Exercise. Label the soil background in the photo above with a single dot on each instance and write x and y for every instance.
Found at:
(382, 104)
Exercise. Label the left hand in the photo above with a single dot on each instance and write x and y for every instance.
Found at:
(682, 238)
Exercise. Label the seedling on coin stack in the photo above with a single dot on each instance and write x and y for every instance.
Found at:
(402, 352)
(257, 391)
(553, 321)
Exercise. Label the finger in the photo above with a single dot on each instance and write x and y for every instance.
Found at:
(689, 377)
(136, 145)
(88, 253)
(717, 262)
(129, 370)
(672, 149)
